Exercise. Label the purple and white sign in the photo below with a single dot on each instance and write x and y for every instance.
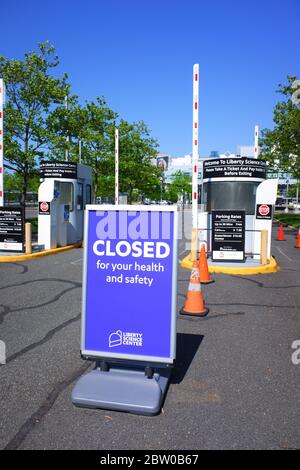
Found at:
(129, 294)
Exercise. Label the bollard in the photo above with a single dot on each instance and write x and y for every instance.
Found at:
(28, 249)
(263, 246)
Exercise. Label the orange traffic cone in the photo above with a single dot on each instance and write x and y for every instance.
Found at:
(298, 239)
(194, 302)
(280, 234)
(203, 268)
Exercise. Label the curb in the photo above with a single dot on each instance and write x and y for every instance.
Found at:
(53, 251)
(271, 267)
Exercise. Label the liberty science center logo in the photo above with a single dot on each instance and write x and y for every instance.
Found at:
(119, 338)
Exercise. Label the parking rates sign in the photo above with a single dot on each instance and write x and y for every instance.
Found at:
(129, 283)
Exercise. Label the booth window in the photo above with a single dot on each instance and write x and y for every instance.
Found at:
(80, 197)
(230, 195)
(88, 194)
(65, 192)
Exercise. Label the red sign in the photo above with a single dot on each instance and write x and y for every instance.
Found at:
(44, 206)
(264, 210)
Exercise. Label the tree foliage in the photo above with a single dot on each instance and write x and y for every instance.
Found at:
(181, 183)
(13, 182)
(137, 172)
(31, 94)
(94, 125)
(281, 146)
(38, 126)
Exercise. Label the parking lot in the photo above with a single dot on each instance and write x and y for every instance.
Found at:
(234, 385)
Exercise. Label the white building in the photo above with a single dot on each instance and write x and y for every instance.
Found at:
(245, 151)
(183, 164)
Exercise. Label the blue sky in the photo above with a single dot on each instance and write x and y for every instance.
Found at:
(139, 55)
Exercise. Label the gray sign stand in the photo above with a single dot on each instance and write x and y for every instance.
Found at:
(129, 387)
(129, 390)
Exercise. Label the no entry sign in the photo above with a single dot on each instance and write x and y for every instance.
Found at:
(44, 208)
(129, 283)
(264, 211)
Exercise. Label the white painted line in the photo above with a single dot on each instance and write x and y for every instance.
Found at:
(290, 259)
(76, 261)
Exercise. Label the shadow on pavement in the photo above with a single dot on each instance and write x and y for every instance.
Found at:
(187, 347)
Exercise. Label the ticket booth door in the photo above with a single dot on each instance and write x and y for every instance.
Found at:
(83, 197)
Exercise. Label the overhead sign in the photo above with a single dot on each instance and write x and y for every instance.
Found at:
(234, 168)
(228, 235)
(58, 170)
(264, 211)
(44, 208)
(129, 283)
(11, 228)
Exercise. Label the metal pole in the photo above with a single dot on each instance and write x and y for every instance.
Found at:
(67, 138)
(2, 95)
(79, 150)
(117, 166)
(160, 189)
(256, 142)
(286, 198)
(195, 162)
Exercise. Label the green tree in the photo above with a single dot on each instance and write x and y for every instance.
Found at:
(97, 141)
(137, 172)
(91, 124)
(281, 146)
(31, 94)
(94, 124)
(13, 182)
(61, 123)
(181, 183)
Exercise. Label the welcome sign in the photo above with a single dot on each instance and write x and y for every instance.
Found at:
(129, 283)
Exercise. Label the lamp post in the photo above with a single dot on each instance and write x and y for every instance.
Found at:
(116, 166)
(256, 142)
(67, 137)
(79, 149)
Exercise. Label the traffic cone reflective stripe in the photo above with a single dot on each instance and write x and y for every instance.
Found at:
(298, 239)
(280, 235)
(194, 302)
(195, 278)
(203, 267)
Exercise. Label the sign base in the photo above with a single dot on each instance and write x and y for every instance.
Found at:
(128, 390)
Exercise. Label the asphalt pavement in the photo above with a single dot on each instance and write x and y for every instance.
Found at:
(234, 385)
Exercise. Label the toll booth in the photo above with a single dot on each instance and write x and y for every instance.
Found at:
(65, 189)
(238, 184)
